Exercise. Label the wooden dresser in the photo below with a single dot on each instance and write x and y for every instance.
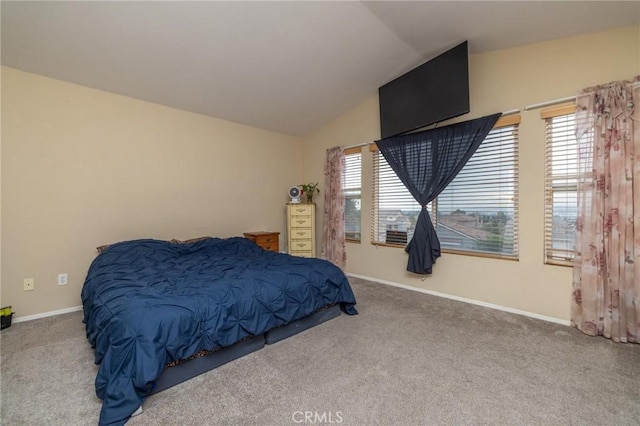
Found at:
(301, 229)
(266, 240)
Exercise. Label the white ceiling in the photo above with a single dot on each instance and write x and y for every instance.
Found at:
(290, 67)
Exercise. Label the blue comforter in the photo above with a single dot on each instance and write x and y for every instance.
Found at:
(148, 302)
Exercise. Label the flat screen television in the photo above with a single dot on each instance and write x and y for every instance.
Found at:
(434, 91)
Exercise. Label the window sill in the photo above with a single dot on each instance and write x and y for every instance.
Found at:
(482, 254)
(557, 262)
(389, 245)
(460, 252)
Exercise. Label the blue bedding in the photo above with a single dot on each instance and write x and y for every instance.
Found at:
(149, 302)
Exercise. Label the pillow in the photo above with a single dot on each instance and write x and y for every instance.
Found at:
(189, 241)
(102, 248)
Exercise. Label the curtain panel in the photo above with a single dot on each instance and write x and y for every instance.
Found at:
(606, 274)
(333, 233)
(426, 162)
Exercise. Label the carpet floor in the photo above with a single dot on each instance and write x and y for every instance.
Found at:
(407, 358)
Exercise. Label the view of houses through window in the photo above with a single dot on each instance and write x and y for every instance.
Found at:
(477, 212)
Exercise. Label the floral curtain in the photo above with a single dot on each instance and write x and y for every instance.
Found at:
(606, 274)
(333, 238)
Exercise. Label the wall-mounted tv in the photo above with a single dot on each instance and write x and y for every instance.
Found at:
(434, 91)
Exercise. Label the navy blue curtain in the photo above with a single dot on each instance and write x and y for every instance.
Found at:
(426, 162)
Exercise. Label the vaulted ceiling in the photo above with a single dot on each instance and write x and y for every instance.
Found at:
(289, 67)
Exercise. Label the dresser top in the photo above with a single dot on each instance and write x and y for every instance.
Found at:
(258, 233)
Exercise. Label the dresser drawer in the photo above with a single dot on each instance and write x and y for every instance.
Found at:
(301, 245)
(302, 210)
(301, 234)
(302, 253)
(270, 246)
(300, 222)
(266, 239)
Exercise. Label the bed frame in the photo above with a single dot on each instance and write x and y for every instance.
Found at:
(172, 376)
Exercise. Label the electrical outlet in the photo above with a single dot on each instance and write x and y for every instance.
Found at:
(28, 284)
(62, 279)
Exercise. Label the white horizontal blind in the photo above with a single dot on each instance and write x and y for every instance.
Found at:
(561, 179)
(394, 208)
(352, 190)
(477, 213)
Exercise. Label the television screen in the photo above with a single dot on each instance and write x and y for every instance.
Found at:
(435, 91)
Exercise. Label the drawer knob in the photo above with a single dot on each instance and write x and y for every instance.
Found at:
(300, 221)
(300, 233)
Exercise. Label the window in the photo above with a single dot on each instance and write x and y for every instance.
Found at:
(478, 211)
(561, 173)
(352, 190)
(395, 211)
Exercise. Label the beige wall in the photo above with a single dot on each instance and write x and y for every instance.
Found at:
(82, 167)
(500, 81)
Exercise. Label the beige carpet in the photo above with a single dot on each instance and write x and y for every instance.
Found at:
(408, 358)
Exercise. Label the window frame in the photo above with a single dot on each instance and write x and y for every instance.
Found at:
(551, 255)
(509, 120)
(350, 152)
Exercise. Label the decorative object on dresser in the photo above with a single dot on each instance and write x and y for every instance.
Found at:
(309, 189)
(266, 239)
(301, 229)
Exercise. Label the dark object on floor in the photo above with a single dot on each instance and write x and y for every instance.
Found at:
(5, 317)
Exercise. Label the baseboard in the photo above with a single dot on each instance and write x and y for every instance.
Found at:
(465, 300)
(47, 314)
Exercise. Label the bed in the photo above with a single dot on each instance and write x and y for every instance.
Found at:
(153, 308)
